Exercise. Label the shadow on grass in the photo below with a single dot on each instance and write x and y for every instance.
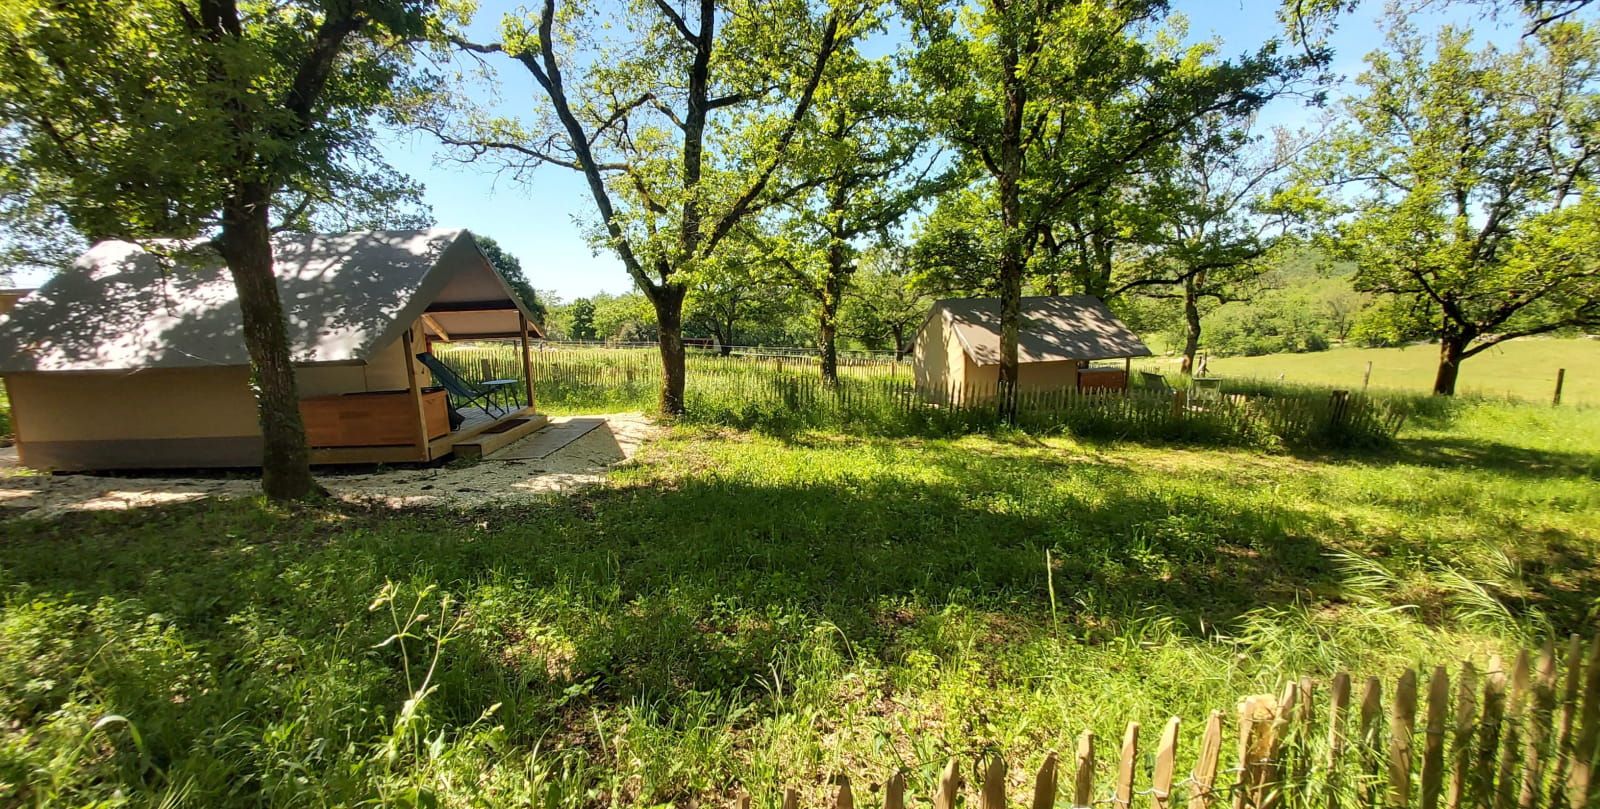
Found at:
(1464, 453)
(632, 601)
(691, 586)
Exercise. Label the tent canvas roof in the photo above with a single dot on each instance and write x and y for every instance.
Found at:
(1054, 328)
(169, 304)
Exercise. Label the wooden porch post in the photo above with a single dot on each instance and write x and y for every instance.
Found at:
(527, 364)
(1127, 373)
(415, 391)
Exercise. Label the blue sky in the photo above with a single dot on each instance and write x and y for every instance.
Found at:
(536, 220)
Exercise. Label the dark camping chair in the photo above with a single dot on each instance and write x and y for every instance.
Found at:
(1155, 381)
(468, 394)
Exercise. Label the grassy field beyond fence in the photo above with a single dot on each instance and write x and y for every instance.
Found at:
(1519, 369)
(787, 393)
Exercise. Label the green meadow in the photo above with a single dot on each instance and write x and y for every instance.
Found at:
(1518, 369)
(739, 610)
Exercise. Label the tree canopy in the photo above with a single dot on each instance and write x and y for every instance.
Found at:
(214, 119)
(1464, 188)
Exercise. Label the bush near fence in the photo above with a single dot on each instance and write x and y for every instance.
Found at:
(784, 394)
(1528, 738)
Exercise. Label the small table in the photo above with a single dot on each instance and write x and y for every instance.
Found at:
(495, 390)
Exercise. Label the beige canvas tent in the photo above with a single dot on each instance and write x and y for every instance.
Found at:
(134, 358)
(957, 351)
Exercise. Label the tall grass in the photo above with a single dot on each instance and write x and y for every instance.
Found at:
(787, 394)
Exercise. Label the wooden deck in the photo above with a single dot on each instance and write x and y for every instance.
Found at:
(479, 435)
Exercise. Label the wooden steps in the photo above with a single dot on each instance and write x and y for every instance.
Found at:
(501, 434)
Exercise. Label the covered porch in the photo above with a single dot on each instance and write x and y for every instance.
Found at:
(443, 411)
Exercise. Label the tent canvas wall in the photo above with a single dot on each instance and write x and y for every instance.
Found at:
(134, 358)
(958, 346)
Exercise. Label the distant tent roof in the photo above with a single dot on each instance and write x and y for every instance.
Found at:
(170, 304)
(1054, 328)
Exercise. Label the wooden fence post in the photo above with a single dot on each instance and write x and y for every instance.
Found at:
(1166, 759)
(1433, 738)
(1511, 736)
(1366, 377)
(1205, 767)
(1083, 777)
(894, 792)
(1461, 759)
(1493, 727)
(994, 784)
(949, 785)
(1569, 710)
(1544, 700)
(1130, 753)
(1340, 408)
(1044, 784)
(1247, 767)
(1561, 378)
(1338, 701)
(1402, 724)
(1371, 735)
(1580, 783)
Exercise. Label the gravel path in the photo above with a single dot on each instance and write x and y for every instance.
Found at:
(581, 463)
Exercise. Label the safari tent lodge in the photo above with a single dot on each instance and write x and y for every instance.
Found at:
(134, 358)
(956, 353)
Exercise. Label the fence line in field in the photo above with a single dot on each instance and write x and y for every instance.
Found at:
(705, 346)
(746, 392)
(1526, 740)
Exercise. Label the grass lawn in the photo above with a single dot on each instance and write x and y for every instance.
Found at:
(1521, 369)
(744, 609)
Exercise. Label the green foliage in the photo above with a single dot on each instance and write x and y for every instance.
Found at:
(1304, 303)
(1472, 210)
(958, 244)
(130, 120)
(732, 301)
(886, 304)
(744, 611)
(580, 320)
(628, 318)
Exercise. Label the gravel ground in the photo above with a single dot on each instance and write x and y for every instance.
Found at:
(581, 463)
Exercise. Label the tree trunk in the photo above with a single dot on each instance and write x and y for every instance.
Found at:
(1451, 348)
(899, 335)
(1099, 281)
(246, 245)
(828, 316)
(1013, 257)
(1191, 325)
(668, 302)
(828, 345)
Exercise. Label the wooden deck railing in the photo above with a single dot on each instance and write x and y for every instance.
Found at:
(1519, 739)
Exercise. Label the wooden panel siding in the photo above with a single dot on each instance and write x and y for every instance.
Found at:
(378, 419)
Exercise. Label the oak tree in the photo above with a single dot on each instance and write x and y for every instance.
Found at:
(1463, 178)
(1057, 99)
(678, 117)
(210, 119)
